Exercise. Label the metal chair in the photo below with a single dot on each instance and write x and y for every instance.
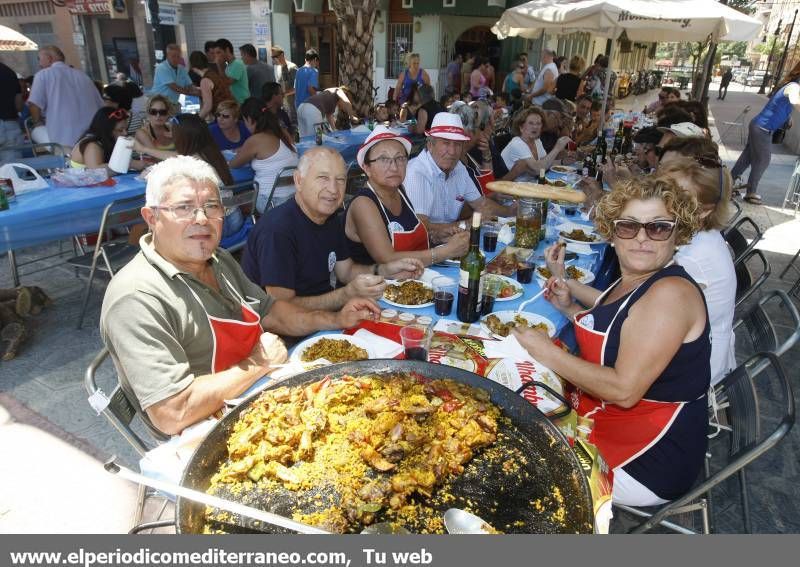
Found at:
(41, 157)
(120, 413)
(745, 284)
(791, 200)
(238, 195)
(285, 178)
(738, 241)
(738, 123)
(114, 253)
(749, 397)
(736, 213)
(762, 331)
(356, 180)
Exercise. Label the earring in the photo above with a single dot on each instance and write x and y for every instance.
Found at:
(612, 245)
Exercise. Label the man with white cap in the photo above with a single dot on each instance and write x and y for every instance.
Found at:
(439, 185)
(298, 252)
(681, 130)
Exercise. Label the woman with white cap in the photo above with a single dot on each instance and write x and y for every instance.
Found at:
(381, 224)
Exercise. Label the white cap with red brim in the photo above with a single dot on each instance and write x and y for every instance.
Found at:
(448, 126)
(380, 134)
(685, 130)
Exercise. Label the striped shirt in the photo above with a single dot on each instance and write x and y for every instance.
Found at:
(434, 194)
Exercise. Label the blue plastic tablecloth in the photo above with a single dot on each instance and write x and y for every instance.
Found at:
(59, 212)
(346, 142)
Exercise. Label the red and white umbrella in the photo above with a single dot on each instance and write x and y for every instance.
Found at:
(12, 40)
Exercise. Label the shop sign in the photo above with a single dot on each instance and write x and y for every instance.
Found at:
(88, 6)
(169, 14)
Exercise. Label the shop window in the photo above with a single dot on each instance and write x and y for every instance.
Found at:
(399, 42)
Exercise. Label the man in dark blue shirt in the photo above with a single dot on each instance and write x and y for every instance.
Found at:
(297, 251)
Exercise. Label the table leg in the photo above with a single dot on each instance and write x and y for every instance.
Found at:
(12, 260)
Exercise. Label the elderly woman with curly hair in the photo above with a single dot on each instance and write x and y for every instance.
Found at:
(644, 367)
(527, 147)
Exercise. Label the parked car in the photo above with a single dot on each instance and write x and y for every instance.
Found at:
(739, 76)
(755, 79)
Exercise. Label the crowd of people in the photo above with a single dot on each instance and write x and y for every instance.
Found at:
(189, 326)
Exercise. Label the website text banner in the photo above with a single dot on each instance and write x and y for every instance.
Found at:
(399, 551)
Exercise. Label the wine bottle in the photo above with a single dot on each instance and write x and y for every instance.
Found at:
(542, 177)
(470, 281)
(618, 137)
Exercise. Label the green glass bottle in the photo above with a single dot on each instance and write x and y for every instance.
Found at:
(470, 281)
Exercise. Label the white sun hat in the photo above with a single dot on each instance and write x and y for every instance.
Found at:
(380, 134)
(448, 126)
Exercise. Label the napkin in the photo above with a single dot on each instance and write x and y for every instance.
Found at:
(428, 275)
(506, 220)
(580, 248)
(383, 348)
(461, 329)
(508, 347)
(505, 235)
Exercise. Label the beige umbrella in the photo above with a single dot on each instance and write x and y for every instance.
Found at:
(12, 40)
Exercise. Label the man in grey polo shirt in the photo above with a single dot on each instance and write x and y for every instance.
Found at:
(182, 322)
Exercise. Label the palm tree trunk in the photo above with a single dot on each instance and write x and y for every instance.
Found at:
(355, 22)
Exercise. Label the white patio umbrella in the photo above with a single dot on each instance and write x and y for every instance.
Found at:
(641, 20)
(12, 40)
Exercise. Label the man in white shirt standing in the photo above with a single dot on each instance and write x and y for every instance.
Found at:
(545, 84)
(64, 97)
(439, 185)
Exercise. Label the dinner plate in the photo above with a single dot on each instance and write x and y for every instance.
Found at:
(403, 305)
(298, 351)
(563, 169)
(586, 278)
(566, 229)
(506, 316)
(508, 281)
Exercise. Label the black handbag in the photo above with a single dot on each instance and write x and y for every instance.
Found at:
(779, 134)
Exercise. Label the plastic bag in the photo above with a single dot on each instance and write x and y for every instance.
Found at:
(74, 177)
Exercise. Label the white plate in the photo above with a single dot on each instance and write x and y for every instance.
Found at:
(563, 169)
(404, 306)
(586, 229)
(511, 282)
(586, 278)
(506, 316)
(297, 353)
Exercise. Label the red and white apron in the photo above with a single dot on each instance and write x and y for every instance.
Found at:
(404, 240)
(620, 434)
(232, 340)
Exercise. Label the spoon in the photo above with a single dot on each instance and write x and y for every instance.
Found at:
(458, 521)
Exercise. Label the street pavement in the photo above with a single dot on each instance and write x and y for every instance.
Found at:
(54, 443)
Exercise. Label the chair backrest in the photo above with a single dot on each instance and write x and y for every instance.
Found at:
(117, 408)
(736, 213)
(760, 411)
(123, 214)
(762, 331)
(285, 178)
(746, 284)
(240, 194)
(356, 179)
(739, 242)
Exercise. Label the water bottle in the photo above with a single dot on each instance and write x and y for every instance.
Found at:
(551, 225)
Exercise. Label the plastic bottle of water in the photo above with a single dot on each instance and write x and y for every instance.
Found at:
(551, 226)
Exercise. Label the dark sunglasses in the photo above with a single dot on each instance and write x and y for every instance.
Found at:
(158, 112)
(656, 230)
(119, 114)
(221, 115)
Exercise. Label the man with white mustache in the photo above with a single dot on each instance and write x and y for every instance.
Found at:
(183, 324)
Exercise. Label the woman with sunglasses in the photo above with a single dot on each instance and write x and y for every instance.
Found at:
(381, 224)
(214, 85)
(644, 367)
(156, 132)
(228, 131)
(268, 150)
(94, 148)
(707, 257)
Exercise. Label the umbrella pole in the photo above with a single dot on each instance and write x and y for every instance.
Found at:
(608, 82)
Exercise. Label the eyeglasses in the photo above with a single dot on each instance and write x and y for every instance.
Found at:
(221, 115)
(119, 114)
(655, 230)
(213, 210)
(158, 112)
(385, 162)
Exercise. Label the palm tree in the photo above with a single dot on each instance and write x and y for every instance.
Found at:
(355, 22)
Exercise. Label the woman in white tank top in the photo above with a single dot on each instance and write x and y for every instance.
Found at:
(267, 151)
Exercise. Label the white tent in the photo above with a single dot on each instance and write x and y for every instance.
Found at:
(12, 40)
(641, 20)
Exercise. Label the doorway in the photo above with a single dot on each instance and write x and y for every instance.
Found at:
(482, 41)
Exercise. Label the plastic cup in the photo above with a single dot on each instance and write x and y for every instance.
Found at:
(416, 341)
(491, 287)
(444, 294)
(490, 231)
(524, 272)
